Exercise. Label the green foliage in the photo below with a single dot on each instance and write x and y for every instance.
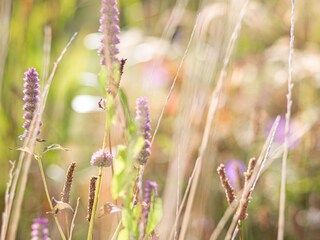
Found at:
(155, 214)
(124, 171)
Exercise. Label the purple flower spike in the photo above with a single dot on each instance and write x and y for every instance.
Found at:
(143, 119)
(101, 158)
(31, 99)
(234, 171)
(39, 229)
(109, 27)
(149, 187)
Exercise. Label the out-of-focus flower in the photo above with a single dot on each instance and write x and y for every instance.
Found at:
(234, 172)
(31, 99)
(149, 188)
(280, 133)
(109, 27)
(39, 229)
(143, 119)
(101, 158)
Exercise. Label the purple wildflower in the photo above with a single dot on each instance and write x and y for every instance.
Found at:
(234, 171)
(143, 119)
(101, 158)
(149, 188)
(39, 229)
(280, 133)
(109, 27)
(31, 99)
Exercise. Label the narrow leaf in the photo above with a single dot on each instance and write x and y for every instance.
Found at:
(55, 147)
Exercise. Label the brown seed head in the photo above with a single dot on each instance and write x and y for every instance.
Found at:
(65, 194)
(230, 194)
(92, 191)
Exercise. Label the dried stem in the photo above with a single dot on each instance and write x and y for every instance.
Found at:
(173, 83)
(253, 179)
(282, 203)
(73, 219)
(5, 214)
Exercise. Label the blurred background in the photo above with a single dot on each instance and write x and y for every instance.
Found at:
(154, 37)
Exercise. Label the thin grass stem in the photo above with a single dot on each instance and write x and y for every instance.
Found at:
(282, 203)
(44, 181)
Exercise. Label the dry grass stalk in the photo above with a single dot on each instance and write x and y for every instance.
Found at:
(252, 182)
(249, 187)
(73, 219)
(174, 83)
(282, 203)
(252, 164)
(5, 214)
(245, 199)
(215, 96)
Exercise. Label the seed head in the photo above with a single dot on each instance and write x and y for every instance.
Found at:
(65, 194)
(92, 193)
(230, 194)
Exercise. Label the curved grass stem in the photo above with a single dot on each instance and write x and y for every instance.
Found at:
(43, 178)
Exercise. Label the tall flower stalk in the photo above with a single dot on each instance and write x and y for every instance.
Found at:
(109, 27)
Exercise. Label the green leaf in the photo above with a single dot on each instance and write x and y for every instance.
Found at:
(23, 149)
(136, 146)
(155, 215)
(126, 218)
(123, 234)
(119, 178)
(55, 147)
(102, 78)
(125, 106)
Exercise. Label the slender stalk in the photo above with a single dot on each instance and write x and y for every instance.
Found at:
(43, 178)
(173, 83)
(95, 204)
(5, 215)
(117, 231)
(282, 203)
(73, 219)
(67, 223)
